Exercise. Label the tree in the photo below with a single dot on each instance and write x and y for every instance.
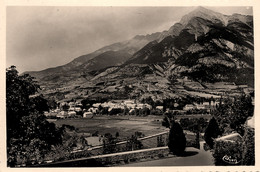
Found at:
(177, 139)
(160, 141)
(65, 107)
(117, 134)
(232, 113)
(109, 144)
(40, 104)
(133, 143)
(52, 103)
(194, 125)
(29, 134)
(212, 131)
(168, 120)
(18, 90)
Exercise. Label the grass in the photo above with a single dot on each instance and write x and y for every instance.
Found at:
(125, 125)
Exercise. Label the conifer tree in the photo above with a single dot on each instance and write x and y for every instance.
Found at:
(177, 139)
(212, 131)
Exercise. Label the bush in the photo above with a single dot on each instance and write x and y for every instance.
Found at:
(177, 139)
(233, 150)
(248, 154)
(133, 143)
(109, 144)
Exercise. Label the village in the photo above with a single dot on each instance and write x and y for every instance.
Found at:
(75, 109)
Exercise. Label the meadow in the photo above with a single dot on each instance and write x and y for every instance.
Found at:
(124, 125)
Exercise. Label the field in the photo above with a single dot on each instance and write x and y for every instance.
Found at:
(124, 125)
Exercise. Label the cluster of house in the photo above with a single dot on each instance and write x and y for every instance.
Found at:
(118, 104)
(204, 105)
(76, 108)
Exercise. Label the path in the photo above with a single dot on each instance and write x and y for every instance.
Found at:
(194, 157)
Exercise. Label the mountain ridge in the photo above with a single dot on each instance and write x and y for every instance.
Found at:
(205, 47)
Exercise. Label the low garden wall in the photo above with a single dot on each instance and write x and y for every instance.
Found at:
(113, 159)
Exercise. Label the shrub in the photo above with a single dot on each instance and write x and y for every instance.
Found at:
(177, 139)
(232, 150)
(109, 144)
(248, 154)
(160, 141)
(133, 143)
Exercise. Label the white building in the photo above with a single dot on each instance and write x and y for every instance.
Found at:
(88, 115)
(71, 113)
(188, 107)
(96, 105)
(159, 107)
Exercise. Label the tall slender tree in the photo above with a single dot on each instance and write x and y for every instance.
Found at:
(177, 139)
(211, 132)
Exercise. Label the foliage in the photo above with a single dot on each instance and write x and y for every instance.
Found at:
(52, 103)
(233, 150)
(18, 90)
(156, 112)
(232, 113)
(243, 152)
(29, 134)
(117, 134)
(177, 139)
(149, 101)
(197, 111)
(211, 132)
(248, 145)
(109, 144)
(65, 150)
(65, 107)
(194, 125)
(168, 120)
(160, 141)
(133, 143)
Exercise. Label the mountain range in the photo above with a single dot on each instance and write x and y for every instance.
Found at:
(206, 47)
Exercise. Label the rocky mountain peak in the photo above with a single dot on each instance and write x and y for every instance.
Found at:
(196, 21)
(204, 13)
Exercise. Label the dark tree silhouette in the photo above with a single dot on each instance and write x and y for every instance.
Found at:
(177, 139)
(29, 134)
(212, 131)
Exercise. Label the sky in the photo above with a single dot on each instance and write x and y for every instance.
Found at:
(42, 37)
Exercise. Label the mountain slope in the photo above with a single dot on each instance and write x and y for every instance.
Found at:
(106, 59)
(205, 46)
(129, 47)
